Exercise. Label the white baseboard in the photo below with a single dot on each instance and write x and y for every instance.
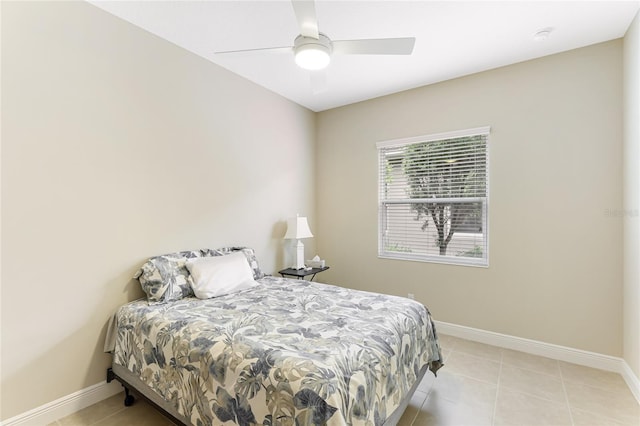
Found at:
(632, 380)
(549, 350)
(66, 405)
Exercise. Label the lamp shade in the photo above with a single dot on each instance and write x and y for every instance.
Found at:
(297, 227)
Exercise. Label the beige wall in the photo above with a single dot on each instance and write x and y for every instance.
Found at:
(116, 146)
(555, 171)
(632, 196)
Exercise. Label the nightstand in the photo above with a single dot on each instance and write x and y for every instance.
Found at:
(302, 273)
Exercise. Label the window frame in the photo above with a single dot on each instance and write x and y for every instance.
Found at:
(383, 202)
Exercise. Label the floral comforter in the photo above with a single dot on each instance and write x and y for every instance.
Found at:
(288, 352)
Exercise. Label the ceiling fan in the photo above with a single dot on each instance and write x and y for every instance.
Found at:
(312, 49)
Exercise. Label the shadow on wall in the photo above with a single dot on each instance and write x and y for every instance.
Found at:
(277, 233)
(99, 360)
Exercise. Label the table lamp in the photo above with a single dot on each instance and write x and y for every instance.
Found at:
(298, 228)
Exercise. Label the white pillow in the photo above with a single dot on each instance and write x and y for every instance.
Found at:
(219, 275)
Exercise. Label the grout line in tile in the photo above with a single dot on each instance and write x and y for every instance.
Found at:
(543, 398)
(566, 395)
(593, 385)
(415, 416)
(98, 421)
(474, 378)
(534, 370)
(478, 356)
(534, 395)
(495, 402)
(594, 412)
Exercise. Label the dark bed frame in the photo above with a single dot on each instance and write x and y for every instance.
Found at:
(130, 388)
(129, 399)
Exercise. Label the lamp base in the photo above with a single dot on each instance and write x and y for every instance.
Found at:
(299, 260)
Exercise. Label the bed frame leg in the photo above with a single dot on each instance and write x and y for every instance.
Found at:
(128, 398)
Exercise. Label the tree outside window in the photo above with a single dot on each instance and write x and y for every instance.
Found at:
(433, 199)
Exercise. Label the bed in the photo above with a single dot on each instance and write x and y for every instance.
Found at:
(279, 352)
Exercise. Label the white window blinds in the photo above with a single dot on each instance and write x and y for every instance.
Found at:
(433, 198)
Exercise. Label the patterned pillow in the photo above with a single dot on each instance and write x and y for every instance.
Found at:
(166, 278)
(248, 252)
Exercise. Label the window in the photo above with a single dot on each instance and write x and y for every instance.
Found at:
(433, 198)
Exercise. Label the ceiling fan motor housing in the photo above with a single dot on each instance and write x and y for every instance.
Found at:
(312, 53)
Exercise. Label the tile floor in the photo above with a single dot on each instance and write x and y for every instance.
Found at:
(479, 385)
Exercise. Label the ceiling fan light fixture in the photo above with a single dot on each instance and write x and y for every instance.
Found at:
(312, 54)
(312, 58)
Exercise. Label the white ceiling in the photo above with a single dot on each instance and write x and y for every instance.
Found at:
(453, 38)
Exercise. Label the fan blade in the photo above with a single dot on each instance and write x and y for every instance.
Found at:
(283, 49)
(305, 11)
(381, 46)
